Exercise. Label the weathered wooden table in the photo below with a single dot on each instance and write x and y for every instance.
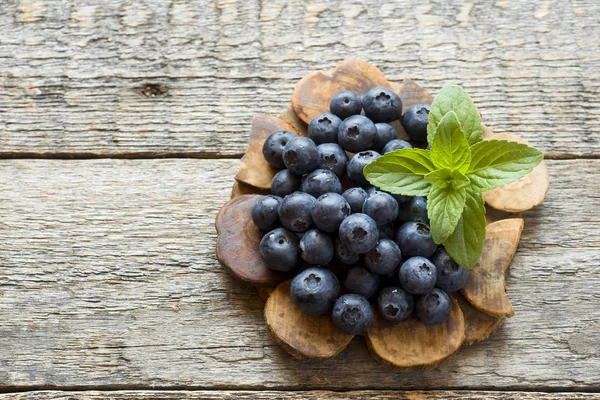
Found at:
(121, 126)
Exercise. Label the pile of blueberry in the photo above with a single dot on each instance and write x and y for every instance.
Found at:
(382, 240)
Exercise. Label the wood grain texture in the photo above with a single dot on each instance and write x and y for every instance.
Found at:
(108, 278)
(173, 77)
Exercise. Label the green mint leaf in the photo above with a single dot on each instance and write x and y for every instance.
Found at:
(454, 98)
(445, 205)
(401, 172)
(498, 162)
(445, 177)
(450, 148)
(465, 243)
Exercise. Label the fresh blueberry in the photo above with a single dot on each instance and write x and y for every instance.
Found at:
(316, 247)
(417, 275)
(383, 258)
(382, 105)
(356, 198)
(382, 207)
(385, 134)
(352, 314)
(414, 239)
(314, 290)
(321, 181)
(279, 250)
(357, 164)
(273, 147)
(387, 231)
(324, 128)
(357, 133)
(344, 255)
(329, 211)
(395, 304)
(284, 183)
(359, 232)
(345, 104)
(450, 276)
(332, 157)
(294, 211)
(396, 144)
(414, 210)
(264, 212)
(360, 281)
(434, 308)
(415, 122)
(300, 155)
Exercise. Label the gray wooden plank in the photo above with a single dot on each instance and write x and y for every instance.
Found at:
(172, 77)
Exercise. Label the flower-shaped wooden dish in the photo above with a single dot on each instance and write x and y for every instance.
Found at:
(477, 311)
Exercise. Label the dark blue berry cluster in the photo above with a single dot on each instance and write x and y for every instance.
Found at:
(380, 243)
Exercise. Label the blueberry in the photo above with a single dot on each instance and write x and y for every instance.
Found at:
(314, 290)
(284, 183)
(324, 128)
(415, 122)
(396, 144)
(357, 133)
(360, 281)
(273, 147)
(332, 157)
(300, 155)
(450, 276)
(357, 164)
(382, 207)
(344, 255)
(329, 211)
(294, 211)
(356, 198)
(417, 275)
(414, 210)
(414, 239)
(316, 247)
(264, 212)
(279, 250)
(387, 231)
(395, 304)
(321, 181)
(359, 232)
(345, 104)
(352, 314)
(385, 134)
(434, 308)
(383, 258)
(382, 105)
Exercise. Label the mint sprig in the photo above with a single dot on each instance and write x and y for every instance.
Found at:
(454, 173)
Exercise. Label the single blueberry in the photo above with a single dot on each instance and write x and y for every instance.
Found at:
(434, 308)
(279, 250)
(314, 290)
(359, 233)
(357, 133)
(414, 210)
(382, 105)
(450, 276)
(295, 211)
(356, 198)
(360, 281)
(382, 207)
(387, 231)
(396, 144)
(357, 164)
(264, 212)
(414, 239)
(324, 128)
(316, 247)
(352, 314)
(383, 258)
(329, 211)
(395, 304)
(344, 255)
(273, 147)
(417, 275)
(385, 134)
(284, 183)
(415, 122)
(332, 157)
(345, 104)
(321, 181)
(300, 155)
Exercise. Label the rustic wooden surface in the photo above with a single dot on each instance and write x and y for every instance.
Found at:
(108, 273)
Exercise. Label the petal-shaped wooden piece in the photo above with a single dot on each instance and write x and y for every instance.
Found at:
(313, 93)
(240, 189)
(478, 325)
(254, 169)
(523, 194)
(411, 344)
(292, 118)
(411, 94)
(238, 243)
(486, 287)
(302, 335)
